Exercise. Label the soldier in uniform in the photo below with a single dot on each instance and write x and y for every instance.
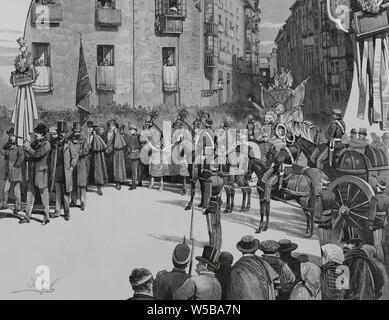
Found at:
(80, 175)
(14, 158)
(213, 188)
(267, 154)
(63, 161)
(282, 169)
(334, 135)
(204, 286)
(167, 283)
(38, 153)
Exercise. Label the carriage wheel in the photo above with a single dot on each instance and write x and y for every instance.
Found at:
(352, 207)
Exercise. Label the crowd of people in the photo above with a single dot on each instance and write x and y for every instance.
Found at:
(62, 161)
(268, 270)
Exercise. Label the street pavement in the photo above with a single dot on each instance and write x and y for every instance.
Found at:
(91, 256)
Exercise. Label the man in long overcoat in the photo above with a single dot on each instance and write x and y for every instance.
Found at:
(80, 171)
(14, 159)
(38, 173)
(63, 161)
(96, 166)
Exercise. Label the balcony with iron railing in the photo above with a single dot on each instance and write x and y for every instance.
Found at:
(211, 29)
(168, 26)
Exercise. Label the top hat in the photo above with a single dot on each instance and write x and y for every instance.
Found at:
(269, 246)
(351, 235)
(363, 132)
(11, 132)
(90, 124)
(76, 127)
(181, 254)
(140, 276)
(62, 126)
(385, 136)
(41, 129)
(248, 244)
(210, 256)
(226, 259)
(287, 246)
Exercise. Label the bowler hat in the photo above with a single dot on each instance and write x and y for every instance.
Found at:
(181, 254)
(248, 244)
(76, 127)
(269, 246)
(351, 235)
(11, 132)
(140, 276)
(287, 246)
(210, 256)
(41, 129)
(62, 126)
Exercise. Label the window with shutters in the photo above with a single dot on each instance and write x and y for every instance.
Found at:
(170, 16)
(105, 74)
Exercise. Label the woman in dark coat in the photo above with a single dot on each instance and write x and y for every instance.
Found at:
(115, 156)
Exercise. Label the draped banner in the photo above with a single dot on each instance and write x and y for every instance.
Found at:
(24, 114)
(385, 83)
(377, 103)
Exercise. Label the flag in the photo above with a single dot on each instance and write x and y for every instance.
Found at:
(84, 88)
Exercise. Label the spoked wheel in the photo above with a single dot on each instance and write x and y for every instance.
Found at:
(352, 206)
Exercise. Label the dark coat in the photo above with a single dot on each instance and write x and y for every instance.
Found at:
(116, 147)
(167, 283)
(70, 161)
(14, 159)
(96, 161)
(38, 166)
(80, 173)
(141, 297)
(223, 274)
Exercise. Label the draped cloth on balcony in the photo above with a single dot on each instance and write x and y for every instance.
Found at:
(372, 62)
(24, 114)
(44, 81)
(170, 79)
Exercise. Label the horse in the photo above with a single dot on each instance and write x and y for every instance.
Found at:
(240, 180)
(296, 187)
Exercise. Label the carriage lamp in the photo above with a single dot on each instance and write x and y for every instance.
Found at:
(211, 92)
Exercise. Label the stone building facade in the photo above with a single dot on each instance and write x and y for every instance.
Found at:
(311, 46)
(138, 53)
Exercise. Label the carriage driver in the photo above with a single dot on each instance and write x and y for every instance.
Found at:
(334, 135)
(282, 169)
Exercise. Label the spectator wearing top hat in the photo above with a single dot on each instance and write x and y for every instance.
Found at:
(366, 280)
(14, 159)
(204, 286)
(141, 281)
(63, 161)
(166, 283)
(133, 148)
(223, 274)
(286, 278)
(38, 153)
(80, 176)
(285, 250)
(116, 164)
(95, 162)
